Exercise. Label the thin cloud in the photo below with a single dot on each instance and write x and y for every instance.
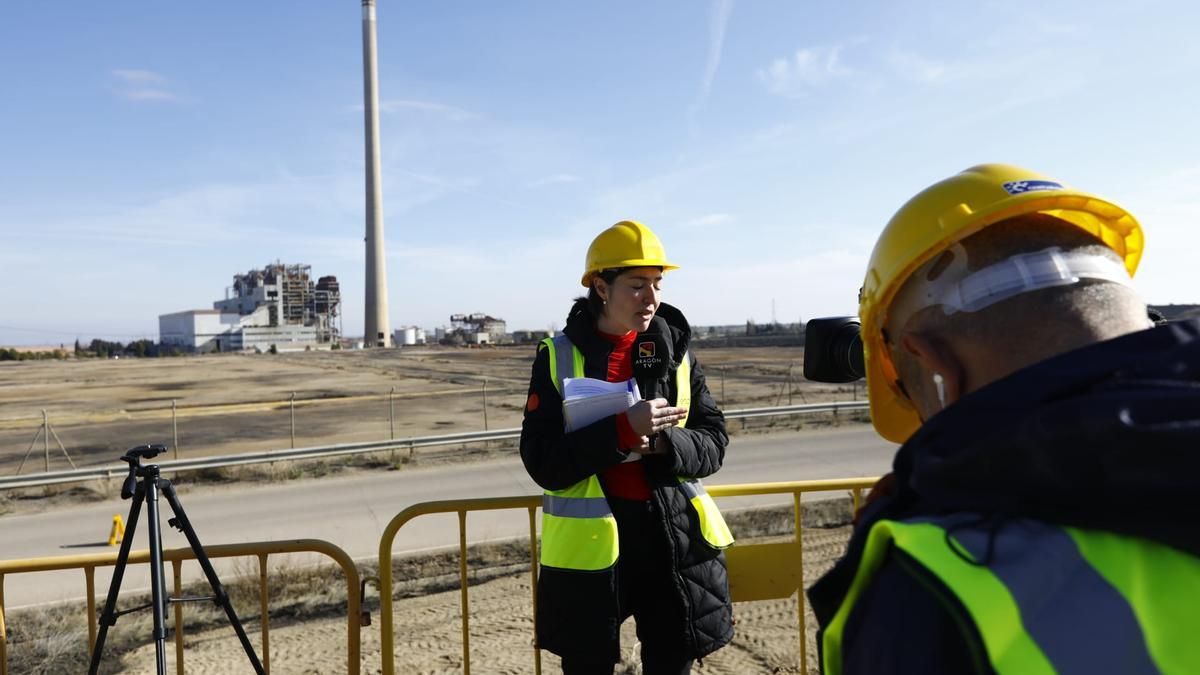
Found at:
(555, 179)
(917, 68)
(792, 77)
(449, 112)
(709, 220)
(718, 20)
(141, 85)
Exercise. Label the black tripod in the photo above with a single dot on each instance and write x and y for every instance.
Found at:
(147, 489)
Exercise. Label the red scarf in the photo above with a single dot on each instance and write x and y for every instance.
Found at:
(626, 480)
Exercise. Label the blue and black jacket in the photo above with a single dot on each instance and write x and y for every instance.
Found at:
(1106, 437)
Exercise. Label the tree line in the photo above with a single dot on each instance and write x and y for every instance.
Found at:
(95, 349)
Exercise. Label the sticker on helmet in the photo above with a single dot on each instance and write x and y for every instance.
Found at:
(1018, 187)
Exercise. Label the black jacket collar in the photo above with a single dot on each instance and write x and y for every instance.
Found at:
(1104, 437)
(668, 320)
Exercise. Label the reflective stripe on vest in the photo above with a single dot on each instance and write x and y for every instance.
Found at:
(1049, 599)
(577, 532)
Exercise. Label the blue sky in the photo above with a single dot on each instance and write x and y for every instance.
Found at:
(152, 150)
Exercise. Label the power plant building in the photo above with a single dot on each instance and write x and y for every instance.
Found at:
(477, 329)
(278, 306)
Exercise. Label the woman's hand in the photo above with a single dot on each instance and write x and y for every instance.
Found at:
(650, 417)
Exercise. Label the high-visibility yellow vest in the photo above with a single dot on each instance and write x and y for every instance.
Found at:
(1049, 599)
(579, 531)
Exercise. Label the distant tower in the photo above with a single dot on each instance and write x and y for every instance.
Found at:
(377, 331)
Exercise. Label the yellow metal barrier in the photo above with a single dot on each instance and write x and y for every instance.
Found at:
(260, 550)
(756, 571)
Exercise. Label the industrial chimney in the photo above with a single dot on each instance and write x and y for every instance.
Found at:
(377, 331)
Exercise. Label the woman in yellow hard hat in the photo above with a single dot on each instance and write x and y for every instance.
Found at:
(627, 528)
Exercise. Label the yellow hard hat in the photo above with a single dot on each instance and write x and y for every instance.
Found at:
(626, 244)
(937, 218)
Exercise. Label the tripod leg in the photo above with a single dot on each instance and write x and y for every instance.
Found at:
(108, 616)
(222, 598)
(158, 595)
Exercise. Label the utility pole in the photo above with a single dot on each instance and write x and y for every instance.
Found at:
(376, 332)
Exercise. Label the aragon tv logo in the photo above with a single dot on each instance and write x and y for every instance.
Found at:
(645, 350)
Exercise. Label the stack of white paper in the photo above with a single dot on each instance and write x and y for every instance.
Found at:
(587, 400)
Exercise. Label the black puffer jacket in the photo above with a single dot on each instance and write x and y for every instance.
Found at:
(1106, 437)
(577, 611)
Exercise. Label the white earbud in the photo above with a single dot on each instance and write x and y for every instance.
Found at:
(940, 383)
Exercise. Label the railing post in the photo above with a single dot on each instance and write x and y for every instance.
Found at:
(800, 594)
(177, 574)
(533, 575)
(265, 613)
(462, 581)
(89, 576)
(4, 633)
(175, 428)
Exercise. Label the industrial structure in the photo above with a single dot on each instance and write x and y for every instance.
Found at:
(375, 326)
(408, 335)
(477, 329)
(278, 306)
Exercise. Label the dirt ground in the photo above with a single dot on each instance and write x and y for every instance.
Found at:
(429, 638)
(229, 403)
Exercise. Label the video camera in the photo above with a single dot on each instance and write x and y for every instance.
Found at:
(833, 350)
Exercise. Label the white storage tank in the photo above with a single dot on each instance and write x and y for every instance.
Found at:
(404, 336)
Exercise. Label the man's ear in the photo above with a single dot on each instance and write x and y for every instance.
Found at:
(936, 359)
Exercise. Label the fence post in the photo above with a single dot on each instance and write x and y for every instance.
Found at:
(174, 428)
(293, 409)
(46, 438)
(485, 420)
(392, 412)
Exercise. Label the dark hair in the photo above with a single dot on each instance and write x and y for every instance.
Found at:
(595, 303)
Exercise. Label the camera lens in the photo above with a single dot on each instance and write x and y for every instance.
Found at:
(833, 350)
(848, 350)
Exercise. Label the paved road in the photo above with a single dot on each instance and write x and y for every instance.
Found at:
(352, 511)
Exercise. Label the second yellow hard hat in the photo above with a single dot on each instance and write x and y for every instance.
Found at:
(943, 214)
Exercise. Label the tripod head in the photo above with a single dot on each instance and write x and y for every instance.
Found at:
(134, 457)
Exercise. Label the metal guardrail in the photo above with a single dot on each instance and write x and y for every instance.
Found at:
(759, 571)
(180, 465)
(176, 556)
